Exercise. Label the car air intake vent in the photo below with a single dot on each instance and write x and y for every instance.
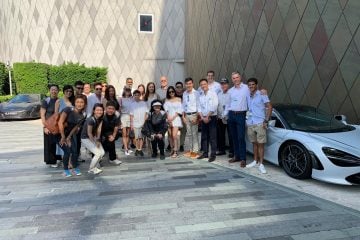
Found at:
(354, 179)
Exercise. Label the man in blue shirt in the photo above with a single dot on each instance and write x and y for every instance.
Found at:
(258, 115)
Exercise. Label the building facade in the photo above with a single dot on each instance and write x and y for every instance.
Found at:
(97, 33)
(302, 51)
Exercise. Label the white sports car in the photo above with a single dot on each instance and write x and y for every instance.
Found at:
(307, 142)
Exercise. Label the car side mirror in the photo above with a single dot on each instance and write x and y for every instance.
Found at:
(341, 118)
(271, 123)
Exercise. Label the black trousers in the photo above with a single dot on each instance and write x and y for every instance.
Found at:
(221, 130)
(158, 143)
(50, 142)
(110, 147)
(208, 136)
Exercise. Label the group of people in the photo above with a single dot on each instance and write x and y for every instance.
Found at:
(144, 115)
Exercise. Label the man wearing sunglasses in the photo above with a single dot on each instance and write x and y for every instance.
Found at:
(79, 87)
(94, 98)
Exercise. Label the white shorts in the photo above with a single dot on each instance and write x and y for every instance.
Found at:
(125, 120)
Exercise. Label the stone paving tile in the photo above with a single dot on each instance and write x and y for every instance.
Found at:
(153, 199)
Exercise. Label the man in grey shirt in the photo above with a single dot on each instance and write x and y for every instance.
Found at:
(163, 88)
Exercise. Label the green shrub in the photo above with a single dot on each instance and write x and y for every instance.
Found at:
(3, 78)
(5, 98)
(69, 73)
(31, 77)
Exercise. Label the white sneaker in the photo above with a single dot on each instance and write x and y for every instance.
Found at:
(252, 164)
(54, 165)
(262, 169)
(95, 170)
(130, 151)
(127, 153)
(116, 162)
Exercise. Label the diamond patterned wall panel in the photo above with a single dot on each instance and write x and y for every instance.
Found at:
(97, 33)
(302, 51)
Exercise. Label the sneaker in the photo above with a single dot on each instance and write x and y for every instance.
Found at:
(181, 149)
(154, 155)
(95, 170)
(116, 162)
(130, 151)
(54, 165)
(77, 172)
(188, 154)
(141, 153)
(252, 164)
(127, 152)
(162, 156)
(67, 173)
(136, 153)
(262, 168)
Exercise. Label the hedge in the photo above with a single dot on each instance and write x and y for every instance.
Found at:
(69, 73)
(5, 98)
(3, 78)
(31, 77)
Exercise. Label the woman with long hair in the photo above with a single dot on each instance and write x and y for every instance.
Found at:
(150, 94)
(50, 140)
(125, 105)
(110, 95)
(91, 137)
(141, 89)
(174, 110)
(70, 122)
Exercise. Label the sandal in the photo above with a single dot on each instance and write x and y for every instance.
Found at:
(174, 155)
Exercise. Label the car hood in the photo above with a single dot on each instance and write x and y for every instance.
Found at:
(7, 107)
(350, 138)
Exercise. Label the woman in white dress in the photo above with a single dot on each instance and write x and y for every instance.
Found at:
(174, 110)
(125, 104)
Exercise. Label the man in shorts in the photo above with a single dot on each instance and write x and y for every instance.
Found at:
(138, 115)
(258, 115)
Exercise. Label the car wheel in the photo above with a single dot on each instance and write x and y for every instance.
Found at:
(296, 160)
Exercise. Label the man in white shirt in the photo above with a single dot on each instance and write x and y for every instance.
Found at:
(208, 103)
(222, 125)
(259, 114)
(163, 88)
(87, 89)
(213, 85)
(190, 102)
(236, 112)
(94, 98)
(138, 115)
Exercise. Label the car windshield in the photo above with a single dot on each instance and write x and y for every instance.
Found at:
(310, 119)
(25, 99)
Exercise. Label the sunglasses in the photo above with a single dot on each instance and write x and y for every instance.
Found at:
(98, 88)
(80, 88)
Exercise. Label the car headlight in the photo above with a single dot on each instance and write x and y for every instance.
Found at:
(340, 158)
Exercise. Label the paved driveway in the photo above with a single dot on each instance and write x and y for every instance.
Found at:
(152, 199)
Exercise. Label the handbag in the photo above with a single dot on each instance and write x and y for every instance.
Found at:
(52, 123)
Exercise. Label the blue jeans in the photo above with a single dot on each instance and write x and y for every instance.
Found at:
(236, 124)
(72, 150)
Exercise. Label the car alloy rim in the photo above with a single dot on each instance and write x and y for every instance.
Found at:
(294, 159)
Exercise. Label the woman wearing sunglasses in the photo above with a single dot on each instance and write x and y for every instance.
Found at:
(174, 110)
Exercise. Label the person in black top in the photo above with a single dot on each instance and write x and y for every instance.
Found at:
(47, 109)
(70, 121)
(109, 132)
(91, 136)
(155, 128)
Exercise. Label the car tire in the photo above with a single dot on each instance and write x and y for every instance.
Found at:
(295, 160)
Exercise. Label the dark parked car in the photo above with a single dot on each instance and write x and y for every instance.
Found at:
(22, 106)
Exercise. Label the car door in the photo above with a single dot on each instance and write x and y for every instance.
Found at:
(276, 134)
